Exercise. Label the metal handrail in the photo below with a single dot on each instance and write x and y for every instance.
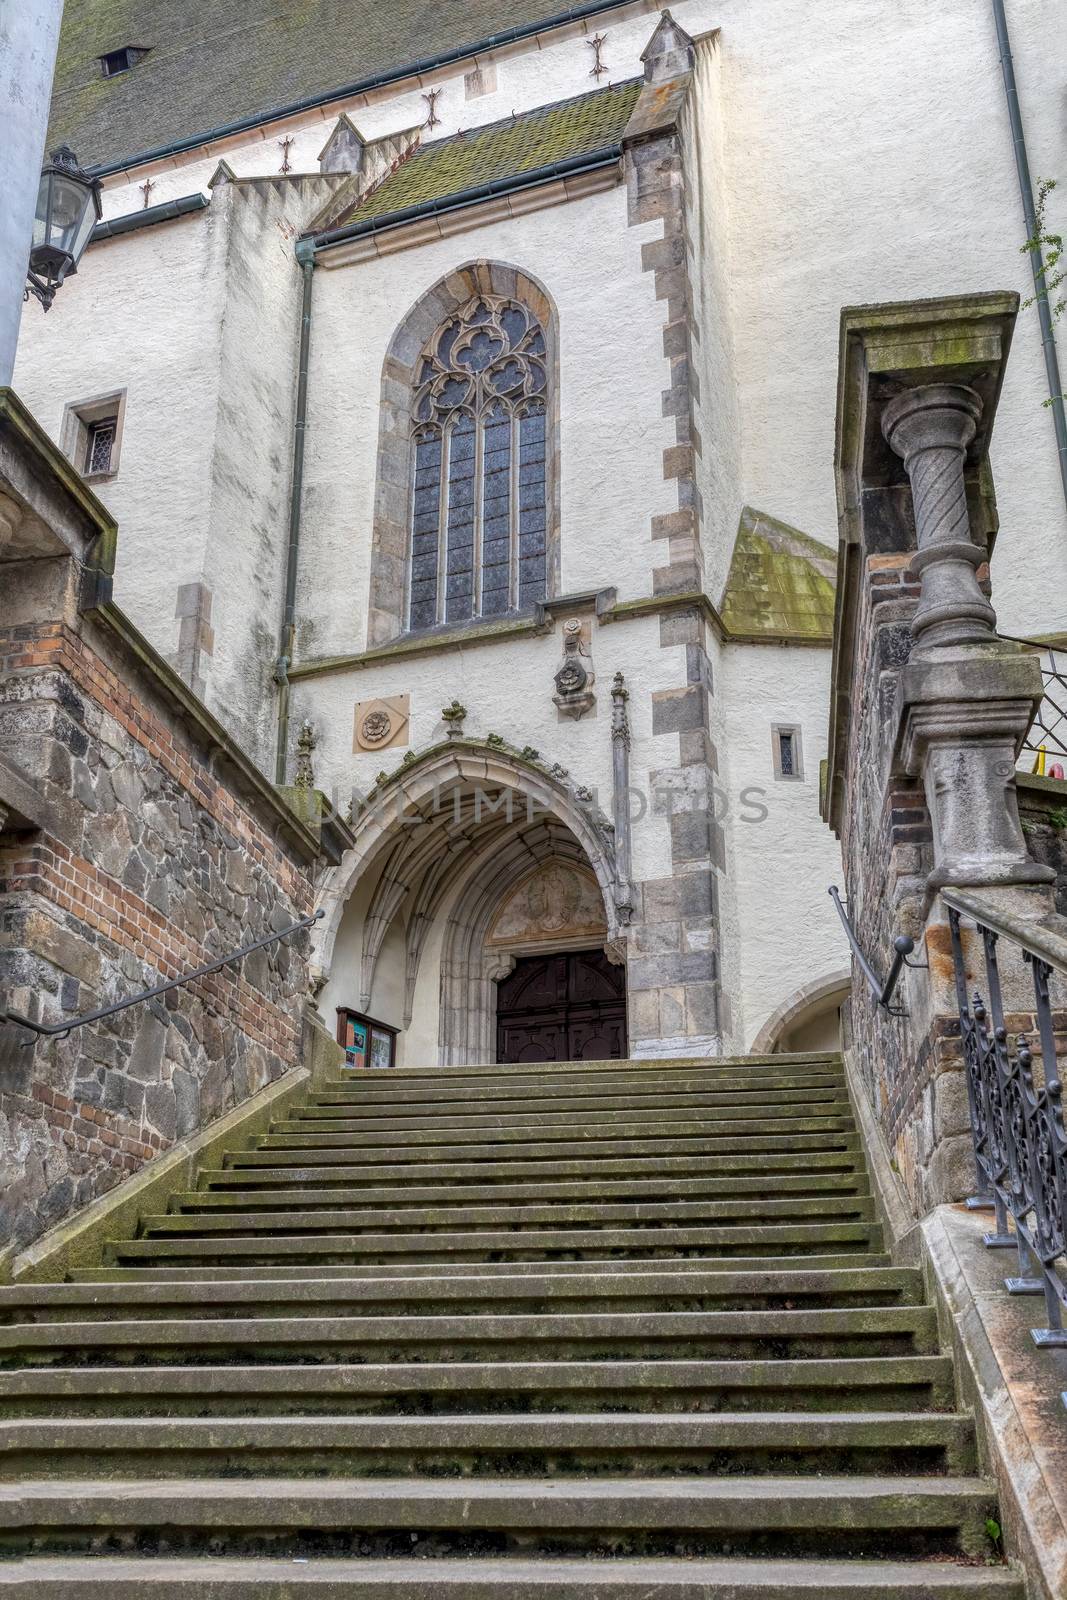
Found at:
(60, 1030)
(902, 946)
(1017, 1124)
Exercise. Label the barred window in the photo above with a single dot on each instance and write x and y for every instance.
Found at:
(479, 492)
(100, 445)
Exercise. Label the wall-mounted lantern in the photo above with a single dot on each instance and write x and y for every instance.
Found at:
(68, 209)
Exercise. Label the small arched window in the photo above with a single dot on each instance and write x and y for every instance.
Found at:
(479, 497)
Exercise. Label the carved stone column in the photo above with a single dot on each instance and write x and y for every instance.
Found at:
(620, 772)
(968, 695)
(930, 428)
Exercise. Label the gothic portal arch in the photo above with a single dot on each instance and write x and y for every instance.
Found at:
(436, 862)
(504, 408)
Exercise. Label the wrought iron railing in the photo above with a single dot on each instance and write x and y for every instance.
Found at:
(1020, 1146)
(902, 948)
(1045, 747)
(60, 1030)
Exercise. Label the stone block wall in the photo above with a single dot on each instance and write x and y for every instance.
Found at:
(136, 844)
(156, 867)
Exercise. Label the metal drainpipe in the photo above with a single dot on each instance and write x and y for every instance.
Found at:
(305, 254)
(1026, 191)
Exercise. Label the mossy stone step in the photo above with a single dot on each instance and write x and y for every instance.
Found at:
(587, 1266)
(719, 1120)
(797, 1238)
(869, 1516)
(737, 1154)
(222, 1188)
(504, 1073)
(877, 1330)
(665, 1086)
(337, 1166)
(719, 1137)
(236, 1218)
(516, 1107)
(511, 1578)
(634, 1445)
(873, 1383)
(648, 1290)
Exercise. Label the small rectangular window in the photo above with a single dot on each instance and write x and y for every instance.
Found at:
(785, 752)
(100, 445)
(92, 434)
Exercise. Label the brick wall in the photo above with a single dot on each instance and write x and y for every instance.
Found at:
(158, 856)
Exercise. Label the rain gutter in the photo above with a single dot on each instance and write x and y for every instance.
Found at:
(1037, 259)
(305, 255)
(166, 211)
(587, 162)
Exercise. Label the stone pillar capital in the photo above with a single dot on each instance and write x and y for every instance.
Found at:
(932, 416)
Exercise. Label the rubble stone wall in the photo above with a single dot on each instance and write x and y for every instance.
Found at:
(154, 862)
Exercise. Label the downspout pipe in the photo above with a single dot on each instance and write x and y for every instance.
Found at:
(305, 255)
(1037, 259)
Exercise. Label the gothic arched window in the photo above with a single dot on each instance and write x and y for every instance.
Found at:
(479, 500)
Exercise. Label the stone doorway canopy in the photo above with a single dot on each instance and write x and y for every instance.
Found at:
(453, 837)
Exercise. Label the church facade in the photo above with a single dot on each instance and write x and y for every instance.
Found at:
(469, 432)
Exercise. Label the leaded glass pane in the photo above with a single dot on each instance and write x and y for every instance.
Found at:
(480, 387)
(459, 563)
(425, 528)
(532, 518)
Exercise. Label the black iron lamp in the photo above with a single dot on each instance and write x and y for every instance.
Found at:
(68, 209)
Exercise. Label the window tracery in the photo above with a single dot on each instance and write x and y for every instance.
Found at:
(479, 504)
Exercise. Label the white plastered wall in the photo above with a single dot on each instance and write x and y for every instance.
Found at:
(780, 931)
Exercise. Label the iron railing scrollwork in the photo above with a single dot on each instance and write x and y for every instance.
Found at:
(60, 1030)
(1020, 1144)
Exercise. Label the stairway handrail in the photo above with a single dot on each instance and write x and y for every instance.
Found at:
(60, 1030)
(902, 946)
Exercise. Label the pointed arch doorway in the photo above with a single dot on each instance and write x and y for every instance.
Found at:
(566, 1006)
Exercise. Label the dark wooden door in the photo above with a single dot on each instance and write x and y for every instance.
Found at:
(562, 1008)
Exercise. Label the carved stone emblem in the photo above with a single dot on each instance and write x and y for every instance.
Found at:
(574, 676)
(381, 723)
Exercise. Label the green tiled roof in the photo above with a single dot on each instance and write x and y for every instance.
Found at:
(213, 62)
(506, 149)
(781, 583)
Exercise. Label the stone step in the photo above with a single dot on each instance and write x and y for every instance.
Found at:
(804, 1153)
(720, 1121)
(872, 1383)
(729, 1099)
(531, 1446)
(796, 1334)
(236, 1218)
(415, 1269)
(739, 1138)
(648, 1290)
(372, 1090)
(274, 1187)
(870, 1516)
(514, 1578)
(796, 1238)
(553, 1071)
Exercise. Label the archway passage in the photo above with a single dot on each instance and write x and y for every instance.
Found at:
(569, 1006)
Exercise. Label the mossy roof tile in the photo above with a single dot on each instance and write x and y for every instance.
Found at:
(780, 584)
(501, 150)
(224, 61)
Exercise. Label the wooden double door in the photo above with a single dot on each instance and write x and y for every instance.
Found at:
(567, 1007)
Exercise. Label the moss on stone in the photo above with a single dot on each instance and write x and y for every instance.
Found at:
(502, 150)
(780, 584)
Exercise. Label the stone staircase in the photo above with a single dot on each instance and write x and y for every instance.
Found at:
(606, 1331)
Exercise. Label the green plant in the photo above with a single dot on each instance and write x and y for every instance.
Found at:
(1050, 268)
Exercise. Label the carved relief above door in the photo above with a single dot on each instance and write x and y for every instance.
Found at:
(557, 903)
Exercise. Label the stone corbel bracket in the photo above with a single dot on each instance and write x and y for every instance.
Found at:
(918, 390)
